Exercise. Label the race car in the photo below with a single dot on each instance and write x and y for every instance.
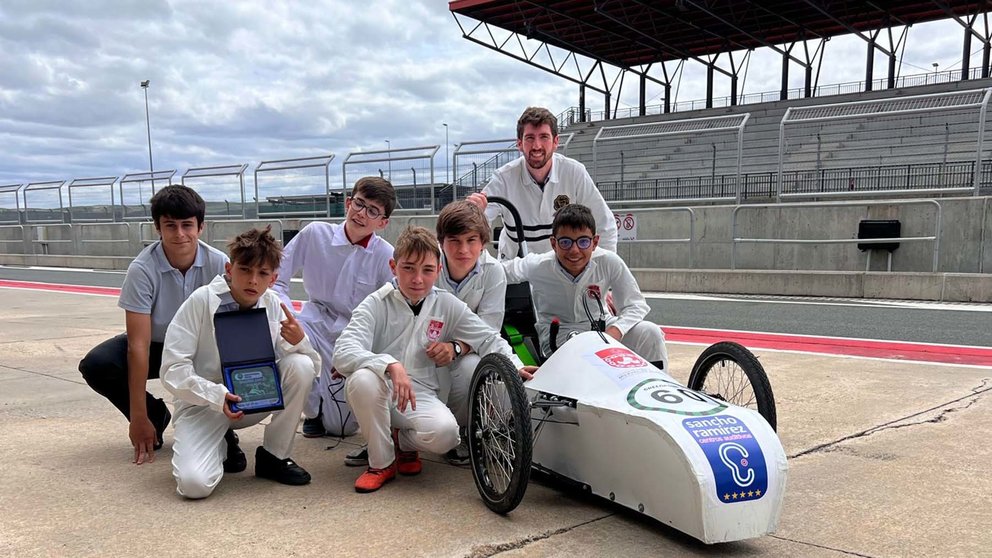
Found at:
(705, 460)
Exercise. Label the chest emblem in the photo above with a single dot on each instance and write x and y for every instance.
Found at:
(434, 330)
(560, 202)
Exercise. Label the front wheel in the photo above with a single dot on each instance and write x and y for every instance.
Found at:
(499, 437)
(729, 372)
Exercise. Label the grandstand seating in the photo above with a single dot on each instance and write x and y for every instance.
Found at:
(854, 145)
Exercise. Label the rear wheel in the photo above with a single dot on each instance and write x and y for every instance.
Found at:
(729, 372)
(500, 437)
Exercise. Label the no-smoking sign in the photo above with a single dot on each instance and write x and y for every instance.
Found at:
(626, 226)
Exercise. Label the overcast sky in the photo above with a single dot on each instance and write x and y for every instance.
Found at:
(247, 81)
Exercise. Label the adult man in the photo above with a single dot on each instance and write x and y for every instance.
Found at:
(539, 183)
(157, 282)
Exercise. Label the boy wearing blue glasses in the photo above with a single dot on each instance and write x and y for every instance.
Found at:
(576, 268)
(342, 263)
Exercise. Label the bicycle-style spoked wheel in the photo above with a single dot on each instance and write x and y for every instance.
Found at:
(729, 372)
(500, 437)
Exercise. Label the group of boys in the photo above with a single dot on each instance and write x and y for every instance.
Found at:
(388, 338)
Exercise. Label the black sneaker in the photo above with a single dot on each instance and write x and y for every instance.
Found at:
(458, 455)
(357, 457)
(314, 428)
(285, 471)
(236, 460)
(160, 429)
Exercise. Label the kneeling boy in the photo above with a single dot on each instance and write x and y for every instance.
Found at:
(575, 269)
(191, 370)
(385, 353)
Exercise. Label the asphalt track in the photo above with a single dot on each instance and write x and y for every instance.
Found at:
(887, 454)
(687, 316)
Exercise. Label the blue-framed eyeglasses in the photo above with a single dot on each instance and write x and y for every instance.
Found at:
(583, 242)
(359, 204)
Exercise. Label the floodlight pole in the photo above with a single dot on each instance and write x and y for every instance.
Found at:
(389, 160)
(148, 128)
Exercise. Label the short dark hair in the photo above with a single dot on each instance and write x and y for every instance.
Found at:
(378, 190)
(414, 241)
(178, 202)
(255, 247)
(535, 116)
(573, 216)
(460, 217)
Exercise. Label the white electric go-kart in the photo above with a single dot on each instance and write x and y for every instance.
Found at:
(703, 459)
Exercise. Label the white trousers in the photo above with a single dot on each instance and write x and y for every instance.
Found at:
(432, 427)
(455, 393)
(647, 340)
(199, 448)
(326, 398)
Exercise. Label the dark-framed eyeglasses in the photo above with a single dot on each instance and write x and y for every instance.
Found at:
(359, 204)
(583, 242)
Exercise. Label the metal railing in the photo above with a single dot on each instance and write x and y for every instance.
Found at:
(934, 238)
(952, 177)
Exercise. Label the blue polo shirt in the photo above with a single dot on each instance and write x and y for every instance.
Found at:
(152, 286)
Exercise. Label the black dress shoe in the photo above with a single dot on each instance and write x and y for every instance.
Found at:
(160, 429)
(285, 471)
(236, 460)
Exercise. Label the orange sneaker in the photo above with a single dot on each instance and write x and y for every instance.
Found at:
(373, 479)
(407, 462)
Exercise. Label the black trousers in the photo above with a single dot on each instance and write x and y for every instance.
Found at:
(105, 370)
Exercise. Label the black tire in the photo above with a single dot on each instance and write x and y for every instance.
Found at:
(500, 437)
(729, 372)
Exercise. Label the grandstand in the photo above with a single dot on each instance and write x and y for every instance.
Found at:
(922, 151)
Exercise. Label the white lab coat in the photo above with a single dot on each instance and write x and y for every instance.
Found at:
(485, 294)
(568, 182)
(337, 275)
(559, 295)
(384, 330)
(191, 371)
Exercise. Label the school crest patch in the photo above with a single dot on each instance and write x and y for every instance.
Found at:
(434, 330)
(561, 201)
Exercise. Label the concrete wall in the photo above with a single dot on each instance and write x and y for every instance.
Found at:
(662, 251)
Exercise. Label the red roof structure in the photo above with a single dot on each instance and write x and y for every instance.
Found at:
(630, 34)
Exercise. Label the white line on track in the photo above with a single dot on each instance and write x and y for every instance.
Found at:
(850, 302)
(838, 355)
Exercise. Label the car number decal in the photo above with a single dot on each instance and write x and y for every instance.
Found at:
(658, 394)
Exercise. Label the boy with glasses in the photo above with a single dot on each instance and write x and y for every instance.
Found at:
(577, 268)
(341, 264)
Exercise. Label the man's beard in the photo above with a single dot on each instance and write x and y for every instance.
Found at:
(542, 161)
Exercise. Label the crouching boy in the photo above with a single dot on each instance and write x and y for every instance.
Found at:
(191, 371)
(477, 279)
(576, 268)
(385, 353)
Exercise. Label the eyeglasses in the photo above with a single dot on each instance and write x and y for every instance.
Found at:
(565, 243)
(359, 204)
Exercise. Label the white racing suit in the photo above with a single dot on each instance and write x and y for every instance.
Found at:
(337, 275)
(191, 371)
(559, 295)
(484, 292)
(383, 330)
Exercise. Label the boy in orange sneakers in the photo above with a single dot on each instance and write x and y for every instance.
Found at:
(386, 354)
